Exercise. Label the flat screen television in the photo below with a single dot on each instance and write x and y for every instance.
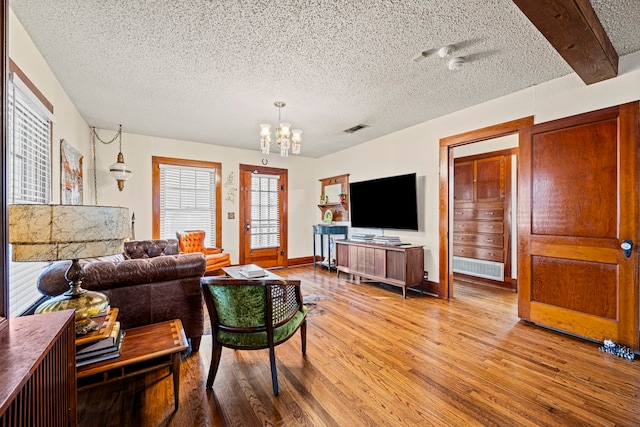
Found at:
(385, 203)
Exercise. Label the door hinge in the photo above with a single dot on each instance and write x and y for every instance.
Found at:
(281, 253)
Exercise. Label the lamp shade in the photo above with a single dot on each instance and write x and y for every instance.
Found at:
(62, 232)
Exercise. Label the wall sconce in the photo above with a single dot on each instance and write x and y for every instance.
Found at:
(119, 170)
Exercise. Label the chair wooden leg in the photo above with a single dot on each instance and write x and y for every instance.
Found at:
(303, 336)
(274, 374)
(216, 353)
(195, 344)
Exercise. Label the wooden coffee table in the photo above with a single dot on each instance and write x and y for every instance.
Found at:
(143, 349)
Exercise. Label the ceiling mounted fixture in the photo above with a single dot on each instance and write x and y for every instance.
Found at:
(456, 63)
(445, 51)
(285, 137)
(421, 56)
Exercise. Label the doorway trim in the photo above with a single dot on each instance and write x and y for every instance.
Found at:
(284, 219)
(446, 187)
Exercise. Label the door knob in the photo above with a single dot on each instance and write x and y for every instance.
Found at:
(627, 247)
(248, 226)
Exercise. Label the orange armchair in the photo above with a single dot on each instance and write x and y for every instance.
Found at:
(193, 241)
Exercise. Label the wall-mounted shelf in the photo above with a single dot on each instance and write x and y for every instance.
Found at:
(332, 187)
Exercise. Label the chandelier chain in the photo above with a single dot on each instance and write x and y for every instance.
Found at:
(95, 179)
(118, 134)
(93, 135)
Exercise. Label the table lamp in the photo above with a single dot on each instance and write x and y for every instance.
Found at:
(69, 232)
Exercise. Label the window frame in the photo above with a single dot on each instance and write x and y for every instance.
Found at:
(45, 106)
(156, 161)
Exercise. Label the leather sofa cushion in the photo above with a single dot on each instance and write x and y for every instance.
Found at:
(150, 248)
(104, 275)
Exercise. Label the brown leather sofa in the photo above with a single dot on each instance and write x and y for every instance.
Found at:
(151, 282)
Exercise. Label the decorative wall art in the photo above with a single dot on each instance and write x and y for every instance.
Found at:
(70, 174)
(231, 188)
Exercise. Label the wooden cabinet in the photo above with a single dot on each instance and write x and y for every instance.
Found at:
(481, 180)
(481, 213)
(38, 379)
(401, 266)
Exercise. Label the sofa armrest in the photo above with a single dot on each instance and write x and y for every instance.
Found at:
(105, 275)
(212, 251)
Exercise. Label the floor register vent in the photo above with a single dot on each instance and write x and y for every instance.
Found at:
(479, 268)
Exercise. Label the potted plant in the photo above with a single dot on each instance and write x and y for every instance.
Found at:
(322, 199)
(343, 197)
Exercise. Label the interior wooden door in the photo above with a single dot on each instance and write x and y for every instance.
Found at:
(578, 203)
(263, 216)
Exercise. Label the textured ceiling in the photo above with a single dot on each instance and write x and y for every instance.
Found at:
(209, 71)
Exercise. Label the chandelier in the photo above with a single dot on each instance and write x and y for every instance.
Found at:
(120, 171)
(286, 138)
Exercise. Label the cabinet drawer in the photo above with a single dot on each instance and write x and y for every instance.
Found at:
(496, 227)
(486, 254)
(492, 240)
(481, 214)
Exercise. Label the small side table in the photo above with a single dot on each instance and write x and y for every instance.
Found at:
(327, 230)
(144, 349)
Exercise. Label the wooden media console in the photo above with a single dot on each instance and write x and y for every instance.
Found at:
(401, 266)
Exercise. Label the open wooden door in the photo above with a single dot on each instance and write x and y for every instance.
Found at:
(578, 204)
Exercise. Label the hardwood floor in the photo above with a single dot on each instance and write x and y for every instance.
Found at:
(374, 359)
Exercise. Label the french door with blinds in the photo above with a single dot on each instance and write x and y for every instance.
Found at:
(186, 196)
(263, 216)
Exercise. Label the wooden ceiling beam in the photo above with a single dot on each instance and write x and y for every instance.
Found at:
(574, 30)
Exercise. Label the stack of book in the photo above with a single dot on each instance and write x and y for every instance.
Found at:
(387, 240)
(362, 237)
(252, 271)
(103, 344)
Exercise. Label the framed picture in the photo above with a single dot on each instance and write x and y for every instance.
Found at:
(70, 174)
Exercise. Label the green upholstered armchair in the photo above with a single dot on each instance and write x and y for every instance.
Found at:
(251, 314)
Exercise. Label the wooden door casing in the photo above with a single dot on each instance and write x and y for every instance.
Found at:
(264, 257)
(578, 201)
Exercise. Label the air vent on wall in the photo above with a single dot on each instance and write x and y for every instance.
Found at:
(355, 128)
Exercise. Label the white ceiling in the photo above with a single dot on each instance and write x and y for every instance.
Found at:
(209, 71)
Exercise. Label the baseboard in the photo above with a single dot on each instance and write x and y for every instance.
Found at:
(431, 288)
(509, 283)
(292, 262)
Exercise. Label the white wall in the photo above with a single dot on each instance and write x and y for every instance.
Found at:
(68, 123)
(138, 151)
(416, 149)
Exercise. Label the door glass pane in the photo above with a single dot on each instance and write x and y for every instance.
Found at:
(265, 215)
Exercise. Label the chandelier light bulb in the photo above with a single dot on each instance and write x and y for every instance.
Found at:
(265, 131)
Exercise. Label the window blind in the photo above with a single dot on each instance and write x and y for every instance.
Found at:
(29, 179)
(265, 211)
(187, 201)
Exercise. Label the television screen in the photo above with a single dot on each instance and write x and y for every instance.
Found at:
(385, 203)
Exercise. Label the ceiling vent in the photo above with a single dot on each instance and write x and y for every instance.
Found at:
(356, 128)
